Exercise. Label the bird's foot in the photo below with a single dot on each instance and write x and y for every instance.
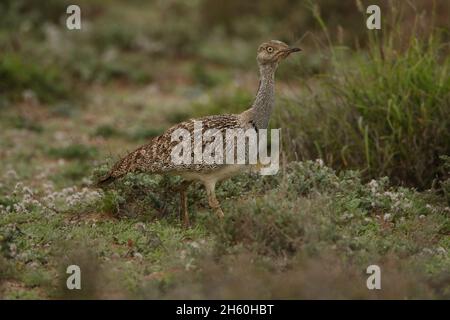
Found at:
(219, 213)
(186, 224)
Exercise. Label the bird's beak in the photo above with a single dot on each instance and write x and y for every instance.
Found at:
(291, 50)
(286, 52)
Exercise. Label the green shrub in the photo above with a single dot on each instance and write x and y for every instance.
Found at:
(17, 75)
(110, 202)
(267, 226)
(140, 195)
(206, 78)
(37, 12)
(386, 113)
(311, 208)
(106, 131)
(142, 133)
(73, 151)
(75, 171)
(21, 122)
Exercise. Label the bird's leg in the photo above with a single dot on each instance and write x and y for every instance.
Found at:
(184, 208)
(212, 200)
(184, 214)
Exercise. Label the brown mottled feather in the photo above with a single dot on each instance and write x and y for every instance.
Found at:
(155, 156)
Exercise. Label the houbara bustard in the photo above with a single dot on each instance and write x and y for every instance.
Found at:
(156, 157)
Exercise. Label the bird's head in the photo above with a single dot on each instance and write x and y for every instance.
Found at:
(273, 51)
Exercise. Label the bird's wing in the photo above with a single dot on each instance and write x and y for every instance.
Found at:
(156, 156)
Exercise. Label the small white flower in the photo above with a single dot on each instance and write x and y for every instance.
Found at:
(347, 216)
(194, 245)
(27, 191)
(11, 174)
(13, 249)
(140, 226)
(408, 205)
(18, 187)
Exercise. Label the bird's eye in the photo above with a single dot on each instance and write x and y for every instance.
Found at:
(269, 49)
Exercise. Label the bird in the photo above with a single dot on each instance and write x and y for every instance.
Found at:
(156, 157)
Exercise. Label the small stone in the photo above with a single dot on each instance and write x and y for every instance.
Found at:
(137, 255)
(387, 217)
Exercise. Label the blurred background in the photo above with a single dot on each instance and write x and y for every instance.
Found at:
(369, 104)
(203, 52)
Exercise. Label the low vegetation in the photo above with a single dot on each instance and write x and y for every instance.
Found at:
(386, 113)
(364, 177)
(305, 218)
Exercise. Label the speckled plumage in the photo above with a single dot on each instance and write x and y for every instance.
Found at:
(155, 157)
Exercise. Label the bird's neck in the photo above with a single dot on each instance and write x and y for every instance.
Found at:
(265, 98)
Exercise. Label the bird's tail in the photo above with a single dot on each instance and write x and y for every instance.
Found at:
(105, 180)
